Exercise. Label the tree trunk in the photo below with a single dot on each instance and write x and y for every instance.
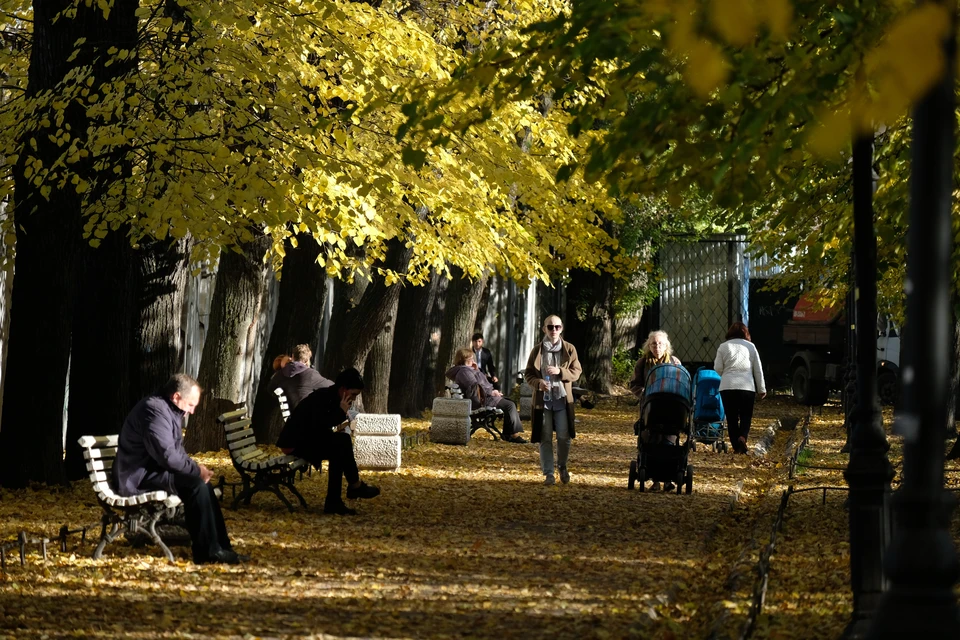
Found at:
(409, 358)
(100, 362)
(376, 371)
(299, 315)
(48, 229)
(354, 330)
(954, 452)
(158, 331)
(589, 326)
(234, 314)
(432, 354)
(463, 300)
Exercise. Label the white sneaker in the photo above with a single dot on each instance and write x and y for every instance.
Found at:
(549, 480)
(564, 476)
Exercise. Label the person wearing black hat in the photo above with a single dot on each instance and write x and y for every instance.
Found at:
(312, 432)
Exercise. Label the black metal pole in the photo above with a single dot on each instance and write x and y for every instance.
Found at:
(869, 471)
(922, 563)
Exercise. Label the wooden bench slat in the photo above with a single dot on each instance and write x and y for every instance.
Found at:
(239, 444)
(107, 452)
(100, 464)
(231, 437)
(234, 426)
(230, 415)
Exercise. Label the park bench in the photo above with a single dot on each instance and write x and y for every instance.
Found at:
(284, 403)
(132, 515)
(483, 418)
(259, 471)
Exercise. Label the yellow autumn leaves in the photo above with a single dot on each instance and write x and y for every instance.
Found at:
(896, 71)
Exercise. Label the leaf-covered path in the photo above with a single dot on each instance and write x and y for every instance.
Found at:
(464, 541)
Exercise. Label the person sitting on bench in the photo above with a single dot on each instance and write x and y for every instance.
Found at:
(297, 378)
(475, 386)
(151, 457)
(311, 432)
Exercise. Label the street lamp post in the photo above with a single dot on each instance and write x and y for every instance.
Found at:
(922, 564)
(869, 471)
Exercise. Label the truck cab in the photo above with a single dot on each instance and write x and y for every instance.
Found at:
(819, 335)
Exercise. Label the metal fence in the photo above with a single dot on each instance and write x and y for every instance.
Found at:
(703, 290)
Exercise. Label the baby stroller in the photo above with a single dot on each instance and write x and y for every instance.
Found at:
(665, 411)
(709, 421)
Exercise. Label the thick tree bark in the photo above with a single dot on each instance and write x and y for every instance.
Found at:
(463, 300)
(158, 348)
(100, 365)
(376, 371)
(589, 326)
(299, 315)
(234, 314)
(354, 330)
(48, 229)
(409, 359)
(433, 342)
(951, 425)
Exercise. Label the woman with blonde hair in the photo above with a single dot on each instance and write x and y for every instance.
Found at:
(476, 388)
(656, 350)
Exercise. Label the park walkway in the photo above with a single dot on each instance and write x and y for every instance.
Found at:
(464, 542)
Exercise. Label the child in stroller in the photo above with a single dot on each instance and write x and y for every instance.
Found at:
(665, 415)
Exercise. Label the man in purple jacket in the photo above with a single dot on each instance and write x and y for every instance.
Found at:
(151, 457)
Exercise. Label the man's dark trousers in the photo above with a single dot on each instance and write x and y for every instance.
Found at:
(208, 533)
(337, 447)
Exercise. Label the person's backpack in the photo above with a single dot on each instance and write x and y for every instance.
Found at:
(707, 404)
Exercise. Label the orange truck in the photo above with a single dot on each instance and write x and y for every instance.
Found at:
(819, 335)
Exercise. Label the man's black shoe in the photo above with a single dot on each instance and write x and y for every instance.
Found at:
(339, 508)
(363, 491)
(225, 556)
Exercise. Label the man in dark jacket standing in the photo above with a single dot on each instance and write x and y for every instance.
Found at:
(312, 433)
(297, 378)
(151, 457)
(484, 360)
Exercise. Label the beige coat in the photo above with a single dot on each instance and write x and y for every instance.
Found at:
(569, 373)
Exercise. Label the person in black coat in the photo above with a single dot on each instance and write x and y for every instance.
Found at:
(151, 457)
(484, 360)
(312, 432)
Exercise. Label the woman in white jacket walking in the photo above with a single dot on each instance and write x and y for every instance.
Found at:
(741, 382)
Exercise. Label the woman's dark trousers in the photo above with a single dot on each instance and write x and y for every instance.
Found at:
(208, 533)
(511, 418)
(738, 406)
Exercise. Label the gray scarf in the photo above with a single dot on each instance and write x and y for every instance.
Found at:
(550, 357)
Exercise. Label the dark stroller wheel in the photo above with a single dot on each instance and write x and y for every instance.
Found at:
(642, 479)
(689, 479)
(632, 478)
(679, 483)
(693, 444)
(725, 447)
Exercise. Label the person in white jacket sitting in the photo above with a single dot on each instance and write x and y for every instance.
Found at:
(741, 382)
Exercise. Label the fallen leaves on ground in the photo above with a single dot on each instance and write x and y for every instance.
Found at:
(463, 541)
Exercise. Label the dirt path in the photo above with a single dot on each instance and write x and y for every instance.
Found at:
(464, 541)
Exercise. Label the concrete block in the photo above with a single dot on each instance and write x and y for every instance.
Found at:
(378, 424)
(381, 453)
(526, 390)
(526, 408)
(452, 407)
(450, 429)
